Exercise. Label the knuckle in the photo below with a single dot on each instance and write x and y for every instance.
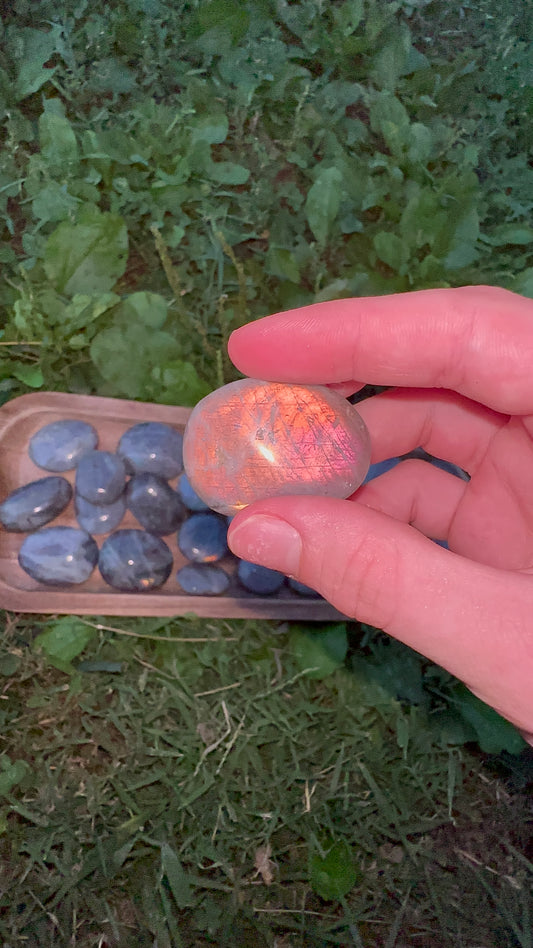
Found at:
(367, 587)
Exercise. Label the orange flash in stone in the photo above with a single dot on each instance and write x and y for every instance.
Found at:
(251, 439)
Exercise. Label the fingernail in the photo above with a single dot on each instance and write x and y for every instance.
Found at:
(268, 541)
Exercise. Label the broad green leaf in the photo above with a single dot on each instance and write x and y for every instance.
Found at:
(177, 383)
(335, 874)
(391, 249)
(348, 16)
(523, 283)
(54, 203)
(64, 640)
(320, 652)
(57, 140)
(223, 18)
(510, 234)
(227, 172)
(463, 245)
(323, 202)
(29, 50)
(87, 256)
(126, 357)
(112, 75)
(212, 129)
(177, 878)
(11, 774)
(392, 57)
(494, 733)
(149, 309)
(282, 263)
(31, 375)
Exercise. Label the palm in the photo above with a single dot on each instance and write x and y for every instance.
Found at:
(493, 522)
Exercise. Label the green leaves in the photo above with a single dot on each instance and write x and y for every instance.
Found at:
(493, 733)
(88, 256)
(319, 653)
(63, 640)
(29, 51)
(323, 202)
(333, 874)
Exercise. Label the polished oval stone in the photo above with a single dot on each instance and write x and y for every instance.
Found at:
(153, 447)
(135, 561)
(381, 467)
(203, 579)
(101, 477)
(97, 518)
(250, 440)
(203, 537)
(303, 590)
(60, 445)
(259, 579)
(59, 556)
(189, 496)
(35, 504)
(155, 505)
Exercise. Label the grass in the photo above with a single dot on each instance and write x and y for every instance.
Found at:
(180, 799)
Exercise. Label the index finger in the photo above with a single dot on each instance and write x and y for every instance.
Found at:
(476, 340)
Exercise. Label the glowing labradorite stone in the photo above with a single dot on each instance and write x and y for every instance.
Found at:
(250, 440)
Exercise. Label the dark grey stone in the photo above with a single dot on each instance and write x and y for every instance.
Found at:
(59, 556)
(153, 447)
(35, 504)
(96, 518)
(60, 445)
(304, 590)
(135, 561)
(155, 505)
(259, 579)
(202, 579)
(100, 477)
(203, 537)
(189, 496)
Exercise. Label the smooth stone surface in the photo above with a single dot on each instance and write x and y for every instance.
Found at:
(59, 556)
(189, 496)
(97, 518)
(153, 447)
(202, 579)
(303, 590)
(60, 445)
(35, 504)
(135, 561)
(259, 579)
(101, 477)
(155, 505)
(252, 439)
(203, 538)
(381, 467)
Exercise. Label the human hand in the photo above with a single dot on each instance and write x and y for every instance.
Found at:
(462, 361)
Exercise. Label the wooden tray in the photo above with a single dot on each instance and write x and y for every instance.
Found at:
(19, 420)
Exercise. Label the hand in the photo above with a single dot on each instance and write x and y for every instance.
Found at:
(462, 364)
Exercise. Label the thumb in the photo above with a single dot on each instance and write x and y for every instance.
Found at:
(470, 618)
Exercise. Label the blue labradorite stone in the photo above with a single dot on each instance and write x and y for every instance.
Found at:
(154, 447)
(189, 496)
(100, 477)
(155, 505)
(59, 555)
(97, 518)
(135, 561)
(60, 445)
(259, 579)
(35, 504)
(303, 590)
(202, 579)
(202, 538)
(380, 468)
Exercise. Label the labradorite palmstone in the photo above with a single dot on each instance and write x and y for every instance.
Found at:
(203, 537)
(35, 504)
(203, 579)
(135, 561)
(101, 477)
(259, 579)
(99, 518)
(60, 445)
(153, 447)
(189, 496)
(59, 555)
(154, 503)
